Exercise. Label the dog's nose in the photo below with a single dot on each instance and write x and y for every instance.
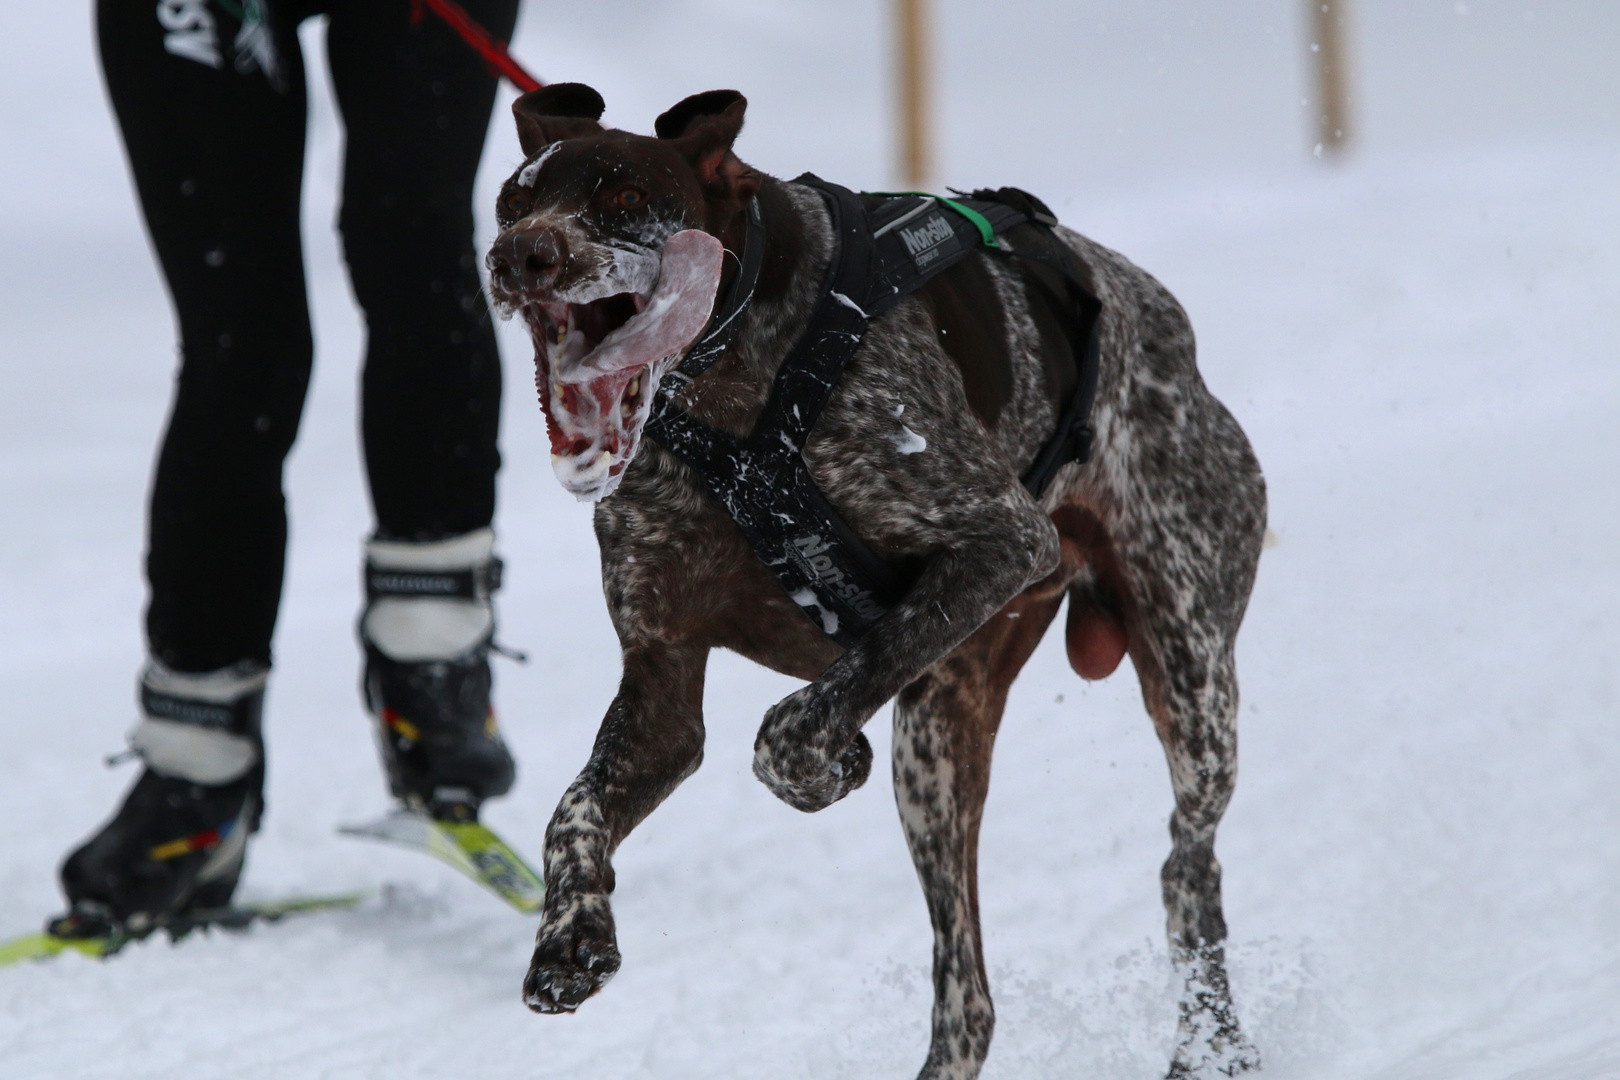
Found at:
(523, 257)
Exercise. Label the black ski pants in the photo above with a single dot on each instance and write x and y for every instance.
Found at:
(210, 98)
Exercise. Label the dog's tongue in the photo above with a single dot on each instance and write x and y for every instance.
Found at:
(677, 312)
(592, 440)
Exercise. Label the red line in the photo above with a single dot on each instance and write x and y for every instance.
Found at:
(493, 52)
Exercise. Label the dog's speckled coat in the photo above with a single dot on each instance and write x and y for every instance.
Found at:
(1154, 541)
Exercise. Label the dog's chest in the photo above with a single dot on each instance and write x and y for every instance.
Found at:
(675, 567)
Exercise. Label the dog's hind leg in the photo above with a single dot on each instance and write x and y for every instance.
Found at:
(650, 740)
(1179, 492)
(1183, 656)
(944, 728)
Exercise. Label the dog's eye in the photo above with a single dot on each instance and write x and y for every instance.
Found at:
(515, 202)
(631, 197)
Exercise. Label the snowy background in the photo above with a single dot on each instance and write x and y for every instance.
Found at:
(1423, 858)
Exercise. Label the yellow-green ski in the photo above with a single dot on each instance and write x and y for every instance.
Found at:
(43, 946)
(468, 846)
(234, 917)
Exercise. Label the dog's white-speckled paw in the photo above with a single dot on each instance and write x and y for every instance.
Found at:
(574, 957)
(804, 776)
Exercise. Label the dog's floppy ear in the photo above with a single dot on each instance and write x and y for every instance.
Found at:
(558, 111)
(673, 124)
(702, 128)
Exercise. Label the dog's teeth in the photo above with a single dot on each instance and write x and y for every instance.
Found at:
(604, 459)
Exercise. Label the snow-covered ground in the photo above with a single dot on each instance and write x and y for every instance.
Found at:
(1422, 870)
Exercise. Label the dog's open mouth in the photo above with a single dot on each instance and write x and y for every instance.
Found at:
(599, 360)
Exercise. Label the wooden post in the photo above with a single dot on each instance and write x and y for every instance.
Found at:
(1328, 50)
(914, 77)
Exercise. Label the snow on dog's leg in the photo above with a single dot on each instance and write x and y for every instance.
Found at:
(944, 728)
(650, 740)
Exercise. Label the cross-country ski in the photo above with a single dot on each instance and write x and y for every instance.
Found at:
(468, 846)
(239, 916)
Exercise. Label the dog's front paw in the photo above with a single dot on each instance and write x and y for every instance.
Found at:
(575, 954)
(797, 759)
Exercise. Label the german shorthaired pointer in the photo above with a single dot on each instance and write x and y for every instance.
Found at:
(618, 250)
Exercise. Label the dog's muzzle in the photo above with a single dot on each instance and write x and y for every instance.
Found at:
(601, 346)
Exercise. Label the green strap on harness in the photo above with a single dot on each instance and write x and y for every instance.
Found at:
(980, 222)
(987, 232)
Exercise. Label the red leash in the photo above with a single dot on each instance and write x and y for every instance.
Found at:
(493, 52)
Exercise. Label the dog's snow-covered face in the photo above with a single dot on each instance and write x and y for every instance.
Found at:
(608, 251)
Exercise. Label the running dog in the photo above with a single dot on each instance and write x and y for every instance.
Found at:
(613, 249)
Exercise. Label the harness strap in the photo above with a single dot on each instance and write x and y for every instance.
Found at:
(820, 561)
(881, 254)
(931, 245)
(724, 322)
(987, 231)
(808, 375)
(1072, 439)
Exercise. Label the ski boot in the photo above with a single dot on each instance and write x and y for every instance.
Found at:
(178, 841)
(427, 631)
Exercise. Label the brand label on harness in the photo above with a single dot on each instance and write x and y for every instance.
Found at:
(812, 552)
(930, 241)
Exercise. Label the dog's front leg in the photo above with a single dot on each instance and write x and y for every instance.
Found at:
(810, 751)
(650, 740)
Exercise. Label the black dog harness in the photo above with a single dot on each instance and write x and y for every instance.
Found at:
(883, 254)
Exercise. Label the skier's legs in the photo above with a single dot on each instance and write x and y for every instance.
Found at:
(212, 113)
(217, 156)
(416, 103)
